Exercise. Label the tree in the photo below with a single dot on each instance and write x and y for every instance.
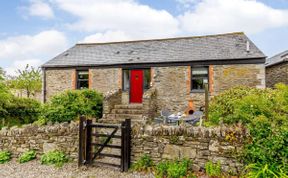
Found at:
(28, 80)
(5, 95)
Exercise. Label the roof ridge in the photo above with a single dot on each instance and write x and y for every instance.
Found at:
(164, 39)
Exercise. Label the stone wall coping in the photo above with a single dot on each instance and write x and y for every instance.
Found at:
(64, 127)
(189, 131)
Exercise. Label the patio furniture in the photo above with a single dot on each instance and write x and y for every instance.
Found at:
(173, 119)
(164, 114)
(194, 118)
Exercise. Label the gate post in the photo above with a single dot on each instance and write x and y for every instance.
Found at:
(128, 138)
(122, 146)
(125, 142)
(81, 141)
(88, 142)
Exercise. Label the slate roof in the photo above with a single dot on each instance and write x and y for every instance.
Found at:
(278, 58)
(200, 48)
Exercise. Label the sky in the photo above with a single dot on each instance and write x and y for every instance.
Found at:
(34, 31)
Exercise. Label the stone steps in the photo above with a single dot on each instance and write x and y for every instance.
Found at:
(127, 111)
(129, 106)
(124, 116)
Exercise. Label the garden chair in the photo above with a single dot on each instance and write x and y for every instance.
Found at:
(164, 114)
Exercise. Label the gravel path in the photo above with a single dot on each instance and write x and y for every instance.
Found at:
(34, 169)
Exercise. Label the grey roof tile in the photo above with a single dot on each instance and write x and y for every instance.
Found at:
(278, 58)
(201, 48)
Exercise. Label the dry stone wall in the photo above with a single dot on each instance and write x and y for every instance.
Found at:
(160, 142)
(197, 143)
(42, 139)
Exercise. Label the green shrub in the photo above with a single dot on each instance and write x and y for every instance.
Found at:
(5, 156)
(265, 113)
(213, 169)
(56, 158)
(27, 156)
(263, 171)
(22, 111)
(70, 105)
(173, 169)
(145, 163)
(41, 121)
(243, 104)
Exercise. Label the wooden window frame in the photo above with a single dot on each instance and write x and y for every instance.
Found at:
(191, 83)
(77, 78)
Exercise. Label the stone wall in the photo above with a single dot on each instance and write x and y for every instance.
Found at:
(173, 83)
(59, 80)
(62, 137)
(105, 80)
(227, 76)
(197, 143)
(277, 73)
(160, 142)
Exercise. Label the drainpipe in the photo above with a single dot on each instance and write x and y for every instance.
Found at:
(44, 84)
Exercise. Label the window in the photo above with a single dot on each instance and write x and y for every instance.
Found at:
(126, 80)
(82, 79)
(199, 76)
(147, 78)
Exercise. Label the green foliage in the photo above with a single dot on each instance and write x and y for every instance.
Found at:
(41, 121)
(70, 105)
(22, 111)
(27, 156)
(173, 169)
(5, 95)
(5, 156)
(56, 158)
(213, 169)
(265, 113)
(243, 104)
(145, 164)
(264, 171)
(29, 80)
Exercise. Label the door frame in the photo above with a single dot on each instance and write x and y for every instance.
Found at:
(134, 68)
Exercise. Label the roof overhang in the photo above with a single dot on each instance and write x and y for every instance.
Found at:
(163, 64)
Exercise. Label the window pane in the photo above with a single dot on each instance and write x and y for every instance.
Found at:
(147, 78)
(126, 80)
(197, 84)
(200, 71)
(83, 84)
(83, 75)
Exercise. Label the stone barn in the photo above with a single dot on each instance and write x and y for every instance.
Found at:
(141, 77)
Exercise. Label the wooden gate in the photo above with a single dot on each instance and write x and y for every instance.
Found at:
(87, 156)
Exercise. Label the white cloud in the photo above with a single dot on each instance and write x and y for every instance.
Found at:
(20, 50)
(127, 16)
(107, 37)
(40, 9)
(20, 65)
(218, 16)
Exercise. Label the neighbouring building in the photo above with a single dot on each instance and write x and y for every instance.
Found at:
(142, 77)
(277, 69)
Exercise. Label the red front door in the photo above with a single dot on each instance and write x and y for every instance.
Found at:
(136, 86)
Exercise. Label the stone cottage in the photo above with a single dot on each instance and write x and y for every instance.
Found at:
(142, 77)
(277, 69)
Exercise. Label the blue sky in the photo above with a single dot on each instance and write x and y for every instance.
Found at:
(34, 31)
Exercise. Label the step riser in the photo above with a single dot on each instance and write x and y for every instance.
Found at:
(118, 116)
(131, 106)
(126, 111)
